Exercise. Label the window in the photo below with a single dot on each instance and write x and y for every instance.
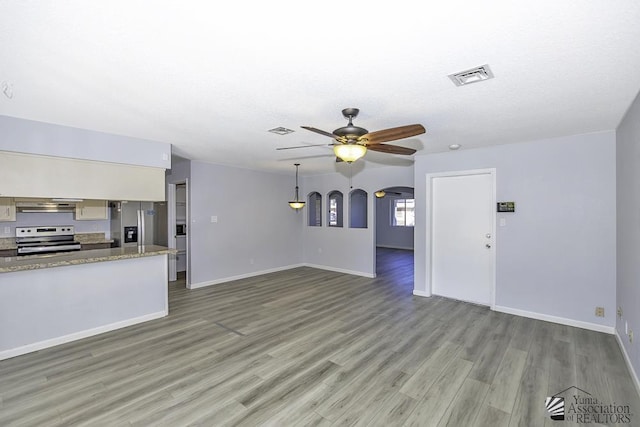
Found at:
(335, 209)
(403, 213)
(315, 209)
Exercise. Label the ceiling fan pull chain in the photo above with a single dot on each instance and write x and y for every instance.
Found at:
(351, 175)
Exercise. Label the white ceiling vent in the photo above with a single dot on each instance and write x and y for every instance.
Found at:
(473, 75)
(280, 130)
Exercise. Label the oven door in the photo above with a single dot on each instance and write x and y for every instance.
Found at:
(39, 248)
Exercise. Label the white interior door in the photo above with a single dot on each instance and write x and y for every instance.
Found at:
(462, 229)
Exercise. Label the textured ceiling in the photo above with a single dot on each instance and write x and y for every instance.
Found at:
(212, 78)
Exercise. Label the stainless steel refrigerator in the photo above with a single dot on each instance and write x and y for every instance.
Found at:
(137, 223)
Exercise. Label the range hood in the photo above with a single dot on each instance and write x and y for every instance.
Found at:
(46, 205)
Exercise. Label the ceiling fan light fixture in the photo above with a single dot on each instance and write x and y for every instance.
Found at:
(380, 194)
(296, 203)
(349, 152)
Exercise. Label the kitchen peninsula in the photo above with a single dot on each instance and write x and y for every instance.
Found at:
(46, 300)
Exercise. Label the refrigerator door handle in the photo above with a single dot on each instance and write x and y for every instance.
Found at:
(141, 234)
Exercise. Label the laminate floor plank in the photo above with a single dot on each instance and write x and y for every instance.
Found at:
(312, 347)
(503, 389)
(438, 397)
(465, 407)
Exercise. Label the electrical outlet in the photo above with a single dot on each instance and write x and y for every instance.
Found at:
(630, 336)
(600, 311)
(620, 312)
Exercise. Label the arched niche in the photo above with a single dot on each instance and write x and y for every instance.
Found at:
(358, 209)
(314, 209)
(335, 209)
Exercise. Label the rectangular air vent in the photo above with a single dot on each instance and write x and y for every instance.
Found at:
(473, 75)
(280, 130)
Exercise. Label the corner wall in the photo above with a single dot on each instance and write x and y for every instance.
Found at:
(628, 233)
(255, 231)
(556, 255)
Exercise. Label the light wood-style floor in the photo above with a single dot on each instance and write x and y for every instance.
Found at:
(309, 347)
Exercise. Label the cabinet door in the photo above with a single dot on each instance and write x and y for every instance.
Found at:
(91, 210)
(7, 209)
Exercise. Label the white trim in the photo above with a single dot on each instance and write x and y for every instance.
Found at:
(421, 293)
(341, 270)
(555, 319)
(627, 359)
(242, 276)
(171, 230)
(274, 270)
(6, 354)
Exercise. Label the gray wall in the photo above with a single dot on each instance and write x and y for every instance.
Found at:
(256, 231)
(628, 213)
(556, 253)
(32, 137)
(180, 170)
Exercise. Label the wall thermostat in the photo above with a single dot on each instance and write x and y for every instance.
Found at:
(506, 206)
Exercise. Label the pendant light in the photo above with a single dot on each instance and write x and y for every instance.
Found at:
(296, 203)
(380, 194)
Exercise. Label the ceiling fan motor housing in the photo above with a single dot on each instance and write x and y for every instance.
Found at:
(350, 132)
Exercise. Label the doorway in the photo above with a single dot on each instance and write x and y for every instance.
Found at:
(394, 225)
(178, 232)
(461, 235)
(181, 231)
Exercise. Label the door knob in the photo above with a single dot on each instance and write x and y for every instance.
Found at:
(488, 246)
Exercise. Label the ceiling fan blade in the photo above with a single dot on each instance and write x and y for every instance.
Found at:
(321, 132)
(303, 146)
(392, 134)
(391, 149)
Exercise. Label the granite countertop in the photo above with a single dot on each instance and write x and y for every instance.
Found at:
(33, 262)
(92, 238)
(7, 243)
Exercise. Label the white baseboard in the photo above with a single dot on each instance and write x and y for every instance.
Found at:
(242, 276)
(341, 270)
(421, 293)
(29, 348)
(554, 319)
(627, 359)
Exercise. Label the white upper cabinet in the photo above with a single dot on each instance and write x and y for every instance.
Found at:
(28, 175)
(91, 210)
(7, 209)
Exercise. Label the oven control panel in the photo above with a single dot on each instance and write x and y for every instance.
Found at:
(45, 231)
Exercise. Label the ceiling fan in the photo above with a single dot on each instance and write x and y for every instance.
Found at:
(352, 142)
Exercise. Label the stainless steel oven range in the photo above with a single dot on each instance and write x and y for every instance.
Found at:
(46, 240)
